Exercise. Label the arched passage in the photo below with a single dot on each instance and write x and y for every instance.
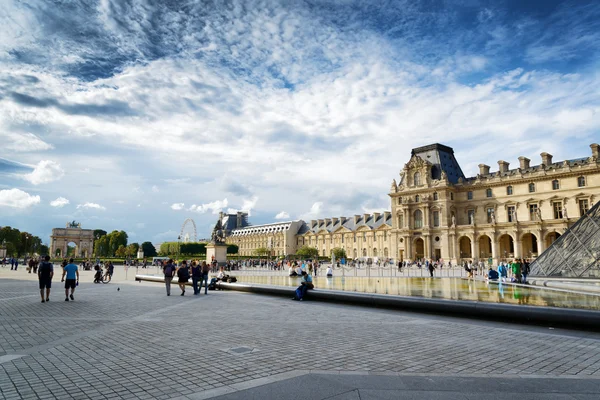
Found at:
(464, 244)
(530, 245)
(419, 249)
(507, 246)
(485, 246)
(551, 238)
(72, 250)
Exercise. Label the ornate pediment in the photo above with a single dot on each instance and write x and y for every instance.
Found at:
(416, 162)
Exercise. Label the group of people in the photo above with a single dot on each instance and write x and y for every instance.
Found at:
(196, 270)
(519, 269)
(45, 272)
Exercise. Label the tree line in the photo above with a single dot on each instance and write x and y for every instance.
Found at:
(114, 244)
(19, 243)
(186, 249)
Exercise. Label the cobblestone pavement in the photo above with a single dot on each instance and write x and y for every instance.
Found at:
(139, 343)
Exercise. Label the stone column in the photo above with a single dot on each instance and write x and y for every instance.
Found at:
(494, 250)
(476, 248)
(518, 248)
(427, 243)
(541, 243)
(408, 247)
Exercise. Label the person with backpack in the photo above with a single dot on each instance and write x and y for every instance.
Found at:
(525, 271)
(169, 271)
(205, 271)
(45, 274)
(183, 275)
(196, 276)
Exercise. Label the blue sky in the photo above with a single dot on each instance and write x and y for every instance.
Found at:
(138, 114)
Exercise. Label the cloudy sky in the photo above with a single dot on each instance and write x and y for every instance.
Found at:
(137, 114)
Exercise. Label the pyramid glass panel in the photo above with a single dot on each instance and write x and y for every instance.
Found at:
(576, 253)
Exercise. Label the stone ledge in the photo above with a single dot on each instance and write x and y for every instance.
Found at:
(563, 317)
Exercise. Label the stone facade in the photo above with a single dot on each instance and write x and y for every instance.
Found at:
(82, 238)
(438, 213)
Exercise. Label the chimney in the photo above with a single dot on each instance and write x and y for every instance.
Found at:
(595, 150)
(386, 215)
(356, 218)
(334, 221)
(546, 159)
(313, 223)
(320, 222)
(366, 217)
(342, 220)
(484, 169)
(524, 162)
(238, 221)
(327, 221)
(376, 216)
(503, 166)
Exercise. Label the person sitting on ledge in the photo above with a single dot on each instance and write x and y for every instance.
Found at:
(503, 271)
(492, 275)
(329, 272)
(222, 276)
(305, 285)
(291, 270)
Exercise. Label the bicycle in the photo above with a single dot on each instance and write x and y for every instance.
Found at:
(106, 277)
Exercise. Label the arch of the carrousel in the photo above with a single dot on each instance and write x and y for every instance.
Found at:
(465, 247)
(485, 246)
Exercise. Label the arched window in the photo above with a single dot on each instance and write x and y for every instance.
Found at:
(418, 219)
(488, 192)
(581, 181)
(509, 190)
(531, 187)
(435, 196)
(400, 221)
(417, 198)
(364, 252)
(417, 178)
(399, 200)
(374, 252)
(555, 184)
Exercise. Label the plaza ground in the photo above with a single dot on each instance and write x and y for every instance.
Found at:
(138, 343)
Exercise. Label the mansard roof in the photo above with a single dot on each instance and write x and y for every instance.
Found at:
(442, 159)
(371, 221)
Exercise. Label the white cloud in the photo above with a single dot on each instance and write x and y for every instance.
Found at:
(91, 206)
(177, 206)
(44, 172)
(282, 215)
(22, 142)
(59, 202)
(215, 207)
(315, 211)
(17, 198)
(155, 189)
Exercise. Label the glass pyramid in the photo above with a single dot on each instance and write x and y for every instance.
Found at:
(575, 254)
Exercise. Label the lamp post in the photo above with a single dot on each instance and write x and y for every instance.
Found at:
(26, 240)
(178, 247)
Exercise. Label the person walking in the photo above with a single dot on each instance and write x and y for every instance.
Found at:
(183, 275)
(72, 273)
(45, 274)
(205, 270)
(430, 267)
(169, 271)
(525, 271)
(196, 276)
(516, 270)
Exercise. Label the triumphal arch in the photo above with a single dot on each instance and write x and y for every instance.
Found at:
(72, 233)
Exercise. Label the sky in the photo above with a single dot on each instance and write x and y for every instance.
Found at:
(136, 114)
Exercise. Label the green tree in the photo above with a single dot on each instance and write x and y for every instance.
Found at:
(115, 240)
(101, 246)
(131, 250)
(307, 252)
(121, 251)
(339, 253)
(192, 248)
(44, 250)
(232, 249)
(261, 251)
(149, 249)
(98, 233)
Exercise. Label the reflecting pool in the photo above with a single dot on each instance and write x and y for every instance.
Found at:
(446, 288)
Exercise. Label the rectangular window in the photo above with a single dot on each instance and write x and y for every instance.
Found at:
(401, 221)
(533, 211)
(355, 238)
(557, 206)
(469, 195)
(583, 207)
(436, 218)
(342, 238)
(510, 210)
(384, 235)
(471, 215)
(490, 213)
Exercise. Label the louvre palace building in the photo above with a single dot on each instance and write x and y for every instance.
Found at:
(438, 213)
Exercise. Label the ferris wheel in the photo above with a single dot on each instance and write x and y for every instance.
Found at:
(188, 231)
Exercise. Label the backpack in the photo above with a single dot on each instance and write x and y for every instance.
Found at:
(169, 270)
(183, 273)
